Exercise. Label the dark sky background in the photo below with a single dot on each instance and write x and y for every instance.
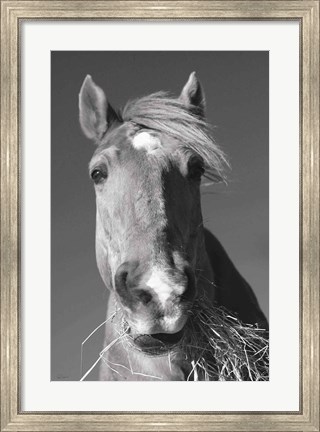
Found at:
(236, 85)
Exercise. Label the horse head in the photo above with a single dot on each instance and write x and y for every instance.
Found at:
(146, 169)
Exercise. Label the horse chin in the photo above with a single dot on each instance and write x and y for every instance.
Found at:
(158, 343)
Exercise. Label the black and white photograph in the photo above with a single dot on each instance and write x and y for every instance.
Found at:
(159, 215)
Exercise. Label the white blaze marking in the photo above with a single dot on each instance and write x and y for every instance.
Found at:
(146, 141)
(163, 286)
(160, 282)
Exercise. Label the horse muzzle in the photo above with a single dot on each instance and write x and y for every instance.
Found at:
(137, 286)
(155, 303)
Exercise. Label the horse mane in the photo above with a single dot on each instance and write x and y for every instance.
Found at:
(168, 115)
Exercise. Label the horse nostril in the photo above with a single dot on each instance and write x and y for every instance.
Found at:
(120, 279)
(144, 296)
(123, 277)
(126, 282)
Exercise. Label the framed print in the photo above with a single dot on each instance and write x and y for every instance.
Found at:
(160, 215)
(214, 199)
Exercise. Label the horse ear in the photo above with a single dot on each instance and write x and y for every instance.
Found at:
(192, 94)
(94, 111)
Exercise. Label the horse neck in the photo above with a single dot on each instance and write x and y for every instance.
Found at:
(204, 271)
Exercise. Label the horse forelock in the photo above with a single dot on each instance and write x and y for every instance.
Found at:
(175, 124)
(169, 116)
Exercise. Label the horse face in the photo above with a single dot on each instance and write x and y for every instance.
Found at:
(148, 227)
(148, 219)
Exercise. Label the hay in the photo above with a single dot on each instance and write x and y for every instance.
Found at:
(216, 345)
(222, 348)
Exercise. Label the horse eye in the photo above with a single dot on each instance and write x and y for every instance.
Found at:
(195, 169)
(97, 176)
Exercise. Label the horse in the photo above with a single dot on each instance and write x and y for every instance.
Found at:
(153, 253)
